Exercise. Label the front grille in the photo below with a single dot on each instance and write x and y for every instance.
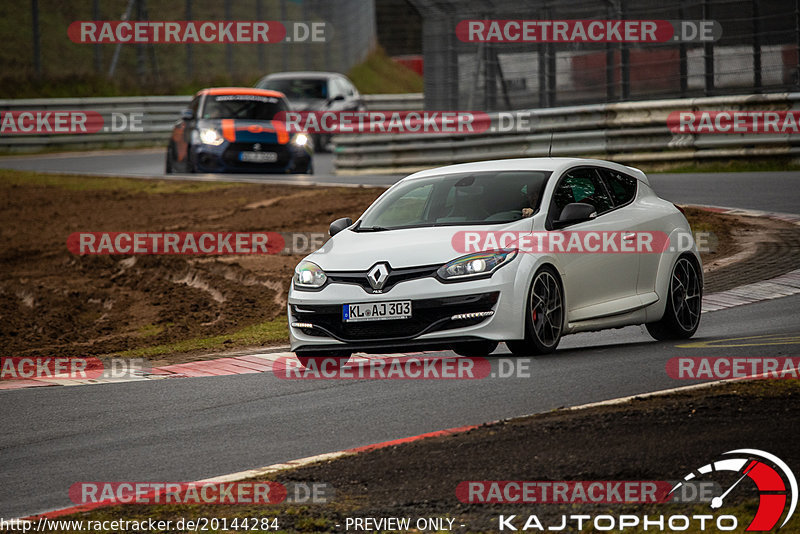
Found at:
(395, 277)
(231, 156)
(427, 315)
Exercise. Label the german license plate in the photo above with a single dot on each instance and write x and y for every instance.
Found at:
(376, 311)
(258, 157)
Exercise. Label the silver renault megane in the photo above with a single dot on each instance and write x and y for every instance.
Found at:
(521, 251)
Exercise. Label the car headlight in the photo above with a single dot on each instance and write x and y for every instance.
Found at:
(300, 139)
(309, 275)
(475, 265)
(210, 136)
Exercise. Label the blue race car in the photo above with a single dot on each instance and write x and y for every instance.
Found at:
(233, 129)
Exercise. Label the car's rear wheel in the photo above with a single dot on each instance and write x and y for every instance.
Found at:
(482, 347)
(544, 316)
(684, 303)
(331, 361)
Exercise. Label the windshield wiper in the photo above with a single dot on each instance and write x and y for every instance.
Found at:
(372, 228)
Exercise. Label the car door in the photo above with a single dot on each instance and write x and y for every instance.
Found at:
(623, 190)
(597, 283)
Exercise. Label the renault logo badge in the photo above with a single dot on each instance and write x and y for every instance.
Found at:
(377, 275)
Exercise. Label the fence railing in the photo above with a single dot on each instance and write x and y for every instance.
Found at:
(631, 132)
(156, 113)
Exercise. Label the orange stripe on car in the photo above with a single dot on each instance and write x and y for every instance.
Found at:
(229, 130)
(283, 135)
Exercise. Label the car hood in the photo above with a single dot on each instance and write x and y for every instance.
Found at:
(411, 247)
(248, 131)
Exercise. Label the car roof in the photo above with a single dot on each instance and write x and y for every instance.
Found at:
(240, 91)
(556, 165)
(305, 74)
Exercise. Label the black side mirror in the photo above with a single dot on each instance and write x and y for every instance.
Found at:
(187, 114)
(340, 224)
(335, 99)
(574, 213)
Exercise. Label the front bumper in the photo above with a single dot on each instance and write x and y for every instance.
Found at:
(225, 158)
(495, 305)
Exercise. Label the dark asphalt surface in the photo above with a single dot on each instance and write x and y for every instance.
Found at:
(755, 190)
(195, 428)
(190, 429)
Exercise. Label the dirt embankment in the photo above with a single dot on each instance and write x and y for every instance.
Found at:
(57, 303)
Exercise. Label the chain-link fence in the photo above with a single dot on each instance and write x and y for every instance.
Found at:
(37, 45)
(757, 52)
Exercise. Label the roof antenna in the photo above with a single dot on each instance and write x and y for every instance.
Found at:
(550, 148)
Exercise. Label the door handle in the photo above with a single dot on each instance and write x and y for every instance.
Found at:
(628, 237)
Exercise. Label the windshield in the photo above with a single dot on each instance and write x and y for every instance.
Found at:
(456, 199)
(251, 107)
(299, 88)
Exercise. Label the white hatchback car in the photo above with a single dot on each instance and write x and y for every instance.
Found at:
(467, 256)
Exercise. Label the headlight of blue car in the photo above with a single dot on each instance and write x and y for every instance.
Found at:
(211, 136)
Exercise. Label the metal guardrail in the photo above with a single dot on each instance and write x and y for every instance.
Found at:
(158, 115)
(631, 132)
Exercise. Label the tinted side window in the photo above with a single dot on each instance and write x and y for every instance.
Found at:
(621, 186)
(581, 185)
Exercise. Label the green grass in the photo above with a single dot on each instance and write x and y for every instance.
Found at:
(273, 331)
(11, 178)
(379, 74)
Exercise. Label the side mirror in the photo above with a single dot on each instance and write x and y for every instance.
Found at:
(336, 98)
(340, 224)
(187, 114)
(574, 213)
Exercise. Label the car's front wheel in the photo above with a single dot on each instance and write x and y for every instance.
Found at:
(482, 347)
(544, 316)
(684, 303)
(332, 361)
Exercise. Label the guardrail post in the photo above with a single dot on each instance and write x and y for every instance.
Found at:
(682, 58)
(189, 66)
(37, 48)
(708, 54)
(756, 47)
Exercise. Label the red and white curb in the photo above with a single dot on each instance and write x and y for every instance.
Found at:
(781, 286)
(776, 215)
